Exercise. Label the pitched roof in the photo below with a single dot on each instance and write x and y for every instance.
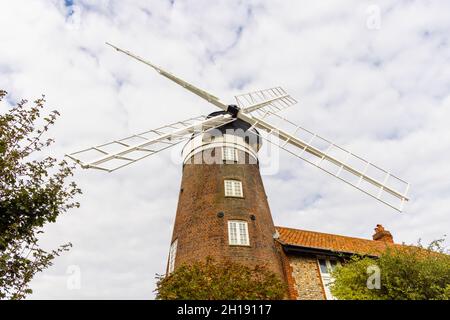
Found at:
(331, 242)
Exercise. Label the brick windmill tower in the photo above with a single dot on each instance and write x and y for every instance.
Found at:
(223, 210)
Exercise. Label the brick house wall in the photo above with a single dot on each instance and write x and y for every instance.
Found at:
(301, 250)
(306, 280)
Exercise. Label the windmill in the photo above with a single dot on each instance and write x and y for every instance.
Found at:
(222, 209)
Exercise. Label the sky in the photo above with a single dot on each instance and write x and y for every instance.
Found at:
(371, 76)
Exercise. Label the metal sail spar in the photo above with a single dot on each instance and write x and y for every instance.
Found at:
(199, 92)
(335, 160)
(259, 102)
(119, 153)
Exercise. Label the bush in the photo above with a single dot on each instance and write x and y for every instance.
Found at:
(406, 273)
(210, 280)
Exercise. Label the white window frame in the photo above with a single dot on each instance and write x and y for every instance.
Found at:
(233, 188)
(238, 233)
(233, 152)
(327, 279)
(172, 255)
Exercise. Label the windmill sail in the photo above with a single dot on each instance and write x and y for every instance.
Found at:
(335, 160)
(119, 153)
(262, 101)
(188, 86)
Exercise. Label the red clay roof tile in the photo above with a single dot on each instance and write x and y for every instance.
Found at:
(331, 242)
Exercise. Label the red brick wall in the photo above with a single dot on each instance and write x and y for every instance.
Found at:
(288, 274)
(201, 233)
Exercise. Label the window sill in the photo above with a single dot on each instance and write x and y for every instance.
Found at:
(239, 245)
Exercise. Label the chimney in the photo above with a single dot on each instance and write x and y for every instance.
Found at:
(382, 235)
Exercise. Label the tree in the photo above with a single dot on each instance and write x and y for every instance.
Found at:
(405, 273)
(210, 280)
(33, 192)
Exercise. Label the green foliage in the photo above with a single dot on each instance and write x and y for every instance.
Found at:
(406, 273)
(33, 192)
(210, 280)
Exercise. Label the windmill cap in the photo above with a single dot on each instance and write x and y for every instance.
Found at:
(237, 134)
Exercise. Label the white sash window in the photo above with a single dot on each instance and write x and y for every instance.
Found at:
(326, 266)
(238, 233)
(229, 154)
(233, 188)
(172, 255)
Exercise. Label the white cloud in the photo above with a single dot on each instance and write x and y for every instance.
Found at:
(383, 94)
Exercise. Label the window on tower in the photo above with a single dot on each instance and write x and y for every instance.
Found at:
(229, 154)
(238, 233)
(172, 255)
(233, 188)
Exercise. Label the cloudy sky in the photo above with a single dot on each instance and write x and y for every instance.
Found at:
(372, 76)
